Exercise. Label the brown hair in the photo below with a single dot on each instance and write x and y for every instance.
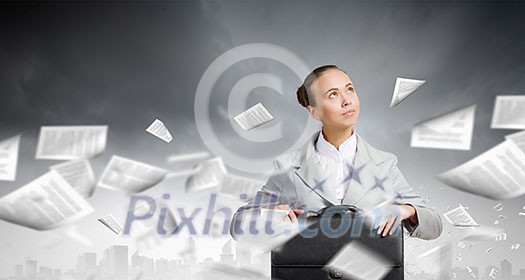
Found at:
(304, 96)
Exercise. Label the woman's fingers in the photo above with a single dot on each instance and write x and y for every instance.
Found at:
(292, 214)
(283, 207)
(395, 226)
(382, 226)
(392, 219)
(389, 225)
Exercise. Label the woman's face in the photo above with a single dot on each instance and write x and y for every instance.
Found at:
(337, 104)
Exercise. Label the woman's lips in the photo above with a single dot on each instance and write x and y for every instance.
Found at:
(348, 113)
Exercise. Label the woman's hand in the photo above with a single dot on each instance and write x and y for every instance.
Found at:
(292, 213)
(394, 216)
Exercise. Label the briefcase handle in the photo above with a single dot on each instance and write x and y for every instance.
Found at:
(335, 209)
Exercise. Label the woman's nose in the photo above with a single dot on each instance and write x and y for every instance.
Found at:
(346, 100)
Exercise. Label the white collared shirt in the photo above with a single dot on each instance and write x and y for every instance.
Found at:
(335, 162)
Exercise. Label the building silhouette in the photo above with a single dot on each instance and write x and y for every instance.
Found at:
(161, 266)
(45, 272)
(19, 271)
(227, 253)
(86, 265)
(31, 269)
(119, 261)
(243, 257)
(506, 270)
(57, 273)
(143, 264)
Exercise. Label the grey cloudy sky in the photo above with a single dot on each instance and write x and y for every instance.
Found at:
(125, 63)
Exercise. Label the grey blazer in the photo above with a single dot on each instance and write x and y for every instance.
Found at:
(298, 180)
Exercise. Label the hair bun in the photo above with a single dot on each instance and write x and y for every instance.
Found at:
(302, 96)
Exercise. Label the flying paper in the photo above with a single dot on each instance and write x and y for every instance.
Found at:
(404, 88)
(449, 131)
(509, 112)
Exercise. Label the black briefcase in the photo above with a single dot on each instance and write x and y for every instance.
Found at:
(304, 256)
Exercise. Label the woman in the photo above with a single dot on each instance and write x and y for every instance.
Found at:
(337, 166)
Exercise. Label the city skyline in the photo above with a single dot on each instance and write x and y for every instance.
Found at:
(116, 262)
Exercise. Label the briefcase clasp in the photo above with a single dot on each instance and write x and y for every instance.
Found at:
(335, 274)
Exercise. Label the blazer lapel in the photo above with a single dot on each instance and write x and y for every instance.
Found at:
(363, 170)
(309, 170)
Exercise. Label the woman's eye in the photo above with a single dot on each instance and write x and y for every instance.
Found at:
(351, 89)
(332, 95)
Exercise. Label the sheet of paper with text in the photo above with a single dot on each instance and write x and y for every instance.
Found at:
(71, 142)
(45, 203)
(255, 116)
(403, 88)
(159, 130)
(451, 131)
(9, 158)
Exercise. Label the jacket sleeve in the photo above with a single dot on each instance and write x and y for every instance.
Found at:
(270, 194)
(429, 224)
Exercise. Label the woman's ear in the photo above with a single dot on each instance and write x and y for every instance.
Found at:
(313, 112)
